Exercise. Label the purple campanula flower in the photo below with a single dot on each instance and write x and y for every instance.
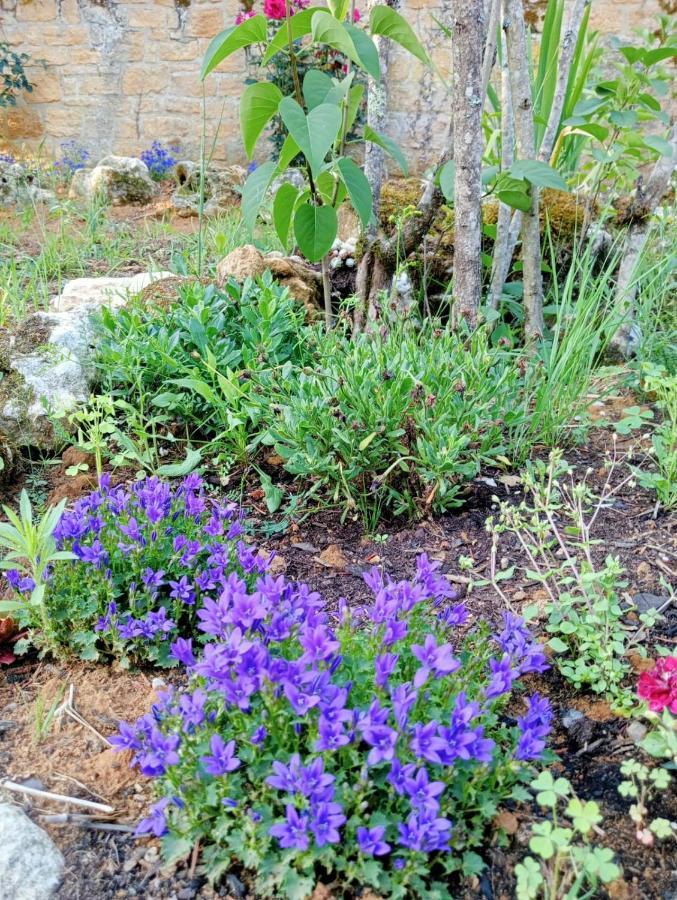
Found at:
(371, 842)
(318, 643)
(284, 778)
(222, 759)
(182, 651)
(258, 737)
(396, 631)
(502, 677)
(331, 735)
(292, 833)
(425, 743)
(127, 738)
(326, 819)
(382, 740)
(299, 701)
(191, 707)
(435, 660)
(404, 698)
(155, 823)
(422, 792)
(385, 666)
(534, 727)
(518, 643)
(399, 774)
(96, 554)
(182, 590)
(159, 753)
(454, 616)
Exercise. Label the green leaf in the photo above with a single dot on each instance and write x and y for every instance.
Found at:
(254, 191)
(384, 20)
(328, 30)
(366, 50)
(446, 179)
(283, 209)
(289, 150)
(272, 494)
(659, 144)
(538, 173)
(314, 133)
(251, 31)
(358, 187)
(178, 470)
(584, 814)
(258, 105)
(515, 199)
(388, 145)
(300, 25)
(318, 87)
(10, 606)
(315, 229)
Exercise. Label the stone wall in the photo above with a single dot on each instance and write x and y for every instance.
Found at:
(117, 74)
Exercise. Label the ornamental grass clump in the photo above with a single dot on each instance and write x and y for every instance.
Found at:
(145, 560)
(369, 749)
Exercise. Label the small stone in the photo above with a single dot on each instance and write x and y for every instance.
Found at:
(645, 602)
(31, 865)
(115, 179)
(636, 731)
(235, 886)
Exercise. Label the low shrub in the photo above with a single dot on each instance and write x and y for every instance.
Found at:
(143, 560)
(401, 422)
(198, 359)
(373, 749)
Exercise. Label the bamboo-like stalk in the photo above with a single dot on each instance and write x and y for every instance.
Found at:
(520, 85)
(503, 245)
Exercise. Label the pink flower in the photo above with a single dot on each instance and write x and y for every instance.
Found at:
(659, 686)
(242, 16)
(274, 9)
(356, 15)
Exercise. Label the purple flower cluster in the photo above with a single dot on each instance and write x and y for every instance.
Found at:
(160, 159)
(152, 555)
(339, 717)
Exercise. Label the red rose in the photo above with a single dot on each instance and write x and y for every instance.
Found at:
(659, 686)
(275, 9)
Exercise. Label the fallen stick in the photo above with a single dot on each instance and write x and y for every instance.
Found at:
(59, 798)
(85, 822)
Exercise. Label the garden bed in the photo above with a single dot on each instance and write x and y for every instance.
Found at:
(331, 557)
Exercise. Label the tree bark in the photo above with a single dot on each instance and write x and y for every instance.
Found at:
(520, 85)
(492, 14)
(645, 202)
(570, 37)
(467, 44)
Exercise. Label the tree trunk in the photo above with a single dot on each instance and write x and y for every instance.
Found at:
(520, 85)
(492, 13)
(569, 40)
(467, 44)
(645, 202)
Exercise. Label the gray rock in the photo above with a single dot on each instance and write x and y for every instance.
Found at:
(645, 602)
(18, 186)
(31, 865)
(47, 363)
(221, 189)
(115, 179)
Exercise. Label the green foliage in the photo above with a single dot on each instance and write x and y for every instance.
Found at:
(13, 78)
(663, 479)
(316, 118)
(585, 618)
(402, 422)
(642, 785)
(661, 742)
(31, 552)
(200, 362)
(565, 865)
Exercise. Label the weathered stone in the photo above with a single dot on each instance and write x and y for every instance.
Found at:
(115, 179)
(220, 189)
(18, 186)
(30, 863)
(47, 362)
(93, 293)
(303, 283)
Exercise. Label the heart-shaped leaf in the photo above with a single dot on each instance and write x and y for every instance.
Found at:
(384, 20)
(258, 105)
(254, 191)
(315, 230)
(314, 133)
(358, 187)
(251, 31)
(283, 209)
(328, 30)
